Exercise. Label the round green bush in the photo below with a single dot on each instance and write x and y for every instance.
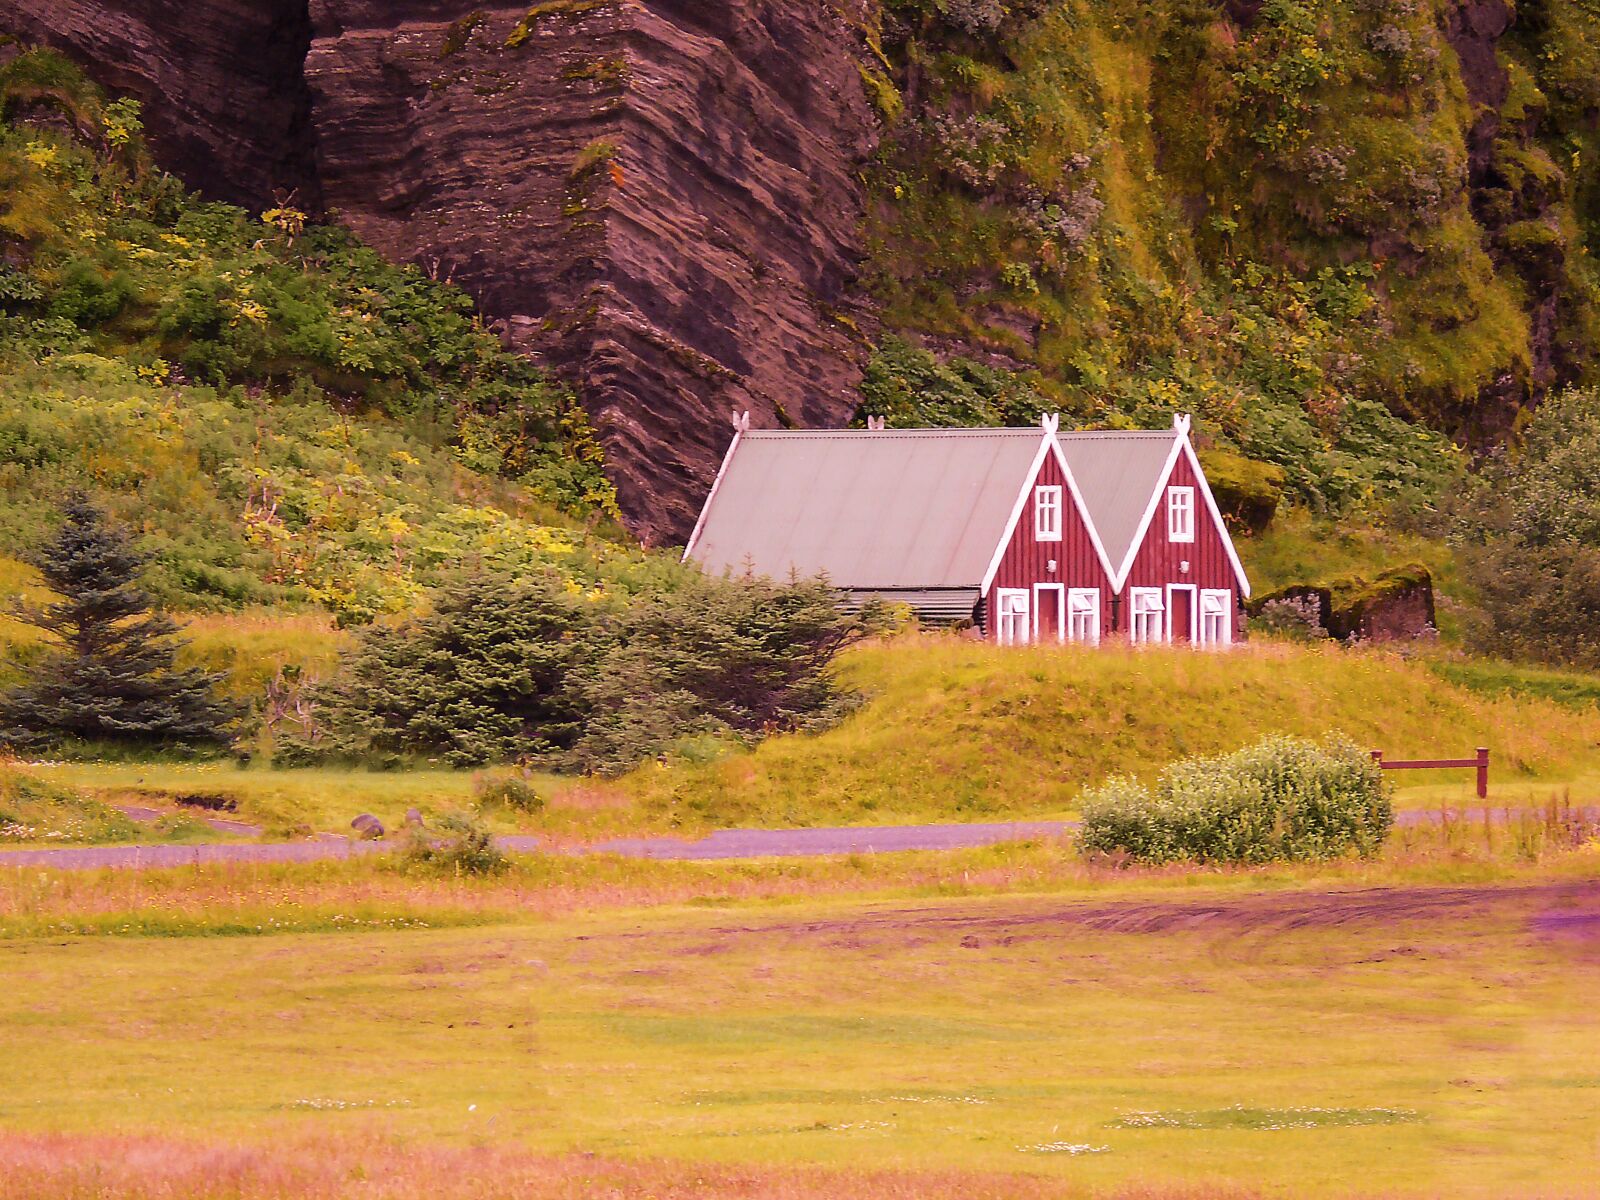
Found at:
(1281, 799)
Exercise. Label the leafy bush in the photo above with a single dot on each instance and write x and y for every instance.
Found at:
(1530, 534)
(508, 791)
(460, 846)
(1283, 798)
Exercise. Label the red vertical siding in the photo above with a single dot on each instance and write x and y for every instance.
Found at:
(1027, 560)
(1159, 561)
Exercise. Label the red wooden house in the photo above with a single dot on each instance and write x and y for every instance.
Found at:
(1029, 534)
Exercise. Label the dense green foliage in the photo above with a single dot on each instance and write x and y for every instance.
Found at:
(714, 658)
(484, 676)
(113, 676)
(285, 414)
(507, 668)
(1262, 214)
(1531, 538)
(1283, 798)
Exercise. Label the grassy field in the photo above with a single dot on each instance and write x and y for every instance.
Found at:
(1441, 1038)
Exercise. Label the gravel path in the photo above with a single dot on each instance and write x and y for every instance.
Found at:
(724, 844)
(727, 843)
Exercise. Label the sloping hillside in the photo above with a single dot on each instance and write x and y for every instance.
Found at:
(1295, 219)
(284, 414)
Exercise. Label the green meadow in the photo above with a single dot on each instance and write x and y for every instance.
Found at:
(1244, 1041)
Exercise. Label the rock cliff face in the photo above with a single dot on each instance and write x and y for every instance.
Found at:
(657, 196)
(226, 105)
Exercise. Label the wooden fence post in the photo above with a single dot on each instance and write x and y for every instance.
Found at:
(1483, 772)
(1377, 757)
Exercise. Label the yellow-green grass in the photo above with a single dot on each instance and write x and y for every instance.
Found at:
(283, 802)
(1387, 1043)
(389, 892)
(251, 647)
(1301, 548)
(960, 730)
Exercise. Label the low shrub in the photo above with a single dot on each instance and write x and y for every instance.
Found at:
(1282, 798)
(508, 792)
(457, 845)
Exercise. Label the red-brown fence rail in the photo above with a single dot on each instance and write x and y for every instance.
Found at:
(1481, 762)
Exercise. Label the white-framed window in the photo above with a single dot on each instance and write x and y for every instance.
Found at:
(1147, 615)
(1180, 514)
(1083, 616)
(1011, 616)
(1047, 513)
(1216, 617)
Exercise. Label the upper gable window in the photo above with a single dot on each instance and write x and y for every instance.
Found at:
(1180, 514)
(1047, 514)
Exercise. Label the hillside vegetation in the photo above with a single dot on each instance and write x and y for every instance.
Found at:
(285, 416)
(957, 731)
(1324, 228)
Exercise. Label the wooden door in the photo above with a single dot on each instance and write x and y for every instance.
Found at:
(1048, 603)
(1180, 610)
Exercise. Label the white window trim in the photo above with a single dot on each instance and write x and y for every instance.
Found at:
(1001, 596)
(1226, 600)
(1194, 610)
(1074, 596)
(1145, 594)
(1056, 495)
(1180, 531)
(1039, 591)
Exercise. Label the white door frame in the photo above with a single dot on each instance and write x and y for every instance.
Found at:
(1060, 590)
(1194, 608)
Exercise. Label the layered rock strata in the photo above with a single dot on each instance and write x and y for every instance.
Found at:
(659, 197)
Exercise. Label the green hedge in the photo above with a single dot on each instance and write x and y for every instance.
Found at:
(1283, 798)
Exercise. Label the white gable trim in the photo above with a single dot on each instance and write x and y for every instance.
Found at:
(1216, 518)
(1049, 445)
(1083, 509)
(1120, 577)
(705, 509)
(1181, 446)
(1016, 512)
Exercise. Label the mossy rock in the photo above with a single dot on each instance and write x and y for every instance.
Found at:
(1396, 605)
(1247, 492)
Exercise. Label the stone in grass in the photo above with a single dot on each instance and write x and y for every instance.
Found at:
(368, 826)
(414, 818)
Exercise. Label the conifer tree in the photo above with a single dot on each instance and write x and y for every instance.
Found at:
(112, 675)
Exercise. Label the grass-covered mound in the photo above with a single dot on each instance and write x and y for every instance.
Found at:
(32, 809)
(284, 415)
(960, 731)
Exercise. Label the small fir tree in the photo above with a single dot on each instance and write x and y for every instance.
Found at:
(113, 676)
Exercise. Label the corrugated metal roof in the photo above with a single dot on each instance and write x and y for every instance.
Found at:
(884, 510)
(1117, 472)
